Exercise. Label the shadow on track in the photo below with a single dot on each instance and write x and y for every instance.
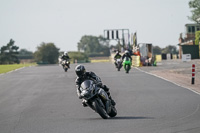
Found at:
(124, 118)
(130, 117)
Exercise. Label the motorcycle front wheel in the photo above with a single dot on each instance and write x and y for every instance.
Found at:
(100, 110)
(66, 69)
(118, 67)
(127, 68)
(113, 112)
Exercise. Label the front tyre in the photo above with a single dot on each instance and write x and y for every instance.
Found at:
(66, 69)
(100, 110)
(113, 112)
(127, 68)
(118, 67)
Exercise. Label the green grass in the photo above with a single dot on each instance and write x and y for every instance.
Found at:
(7, 68)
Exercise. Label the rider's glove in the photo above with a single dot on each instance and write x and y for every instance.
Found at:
(79, 94)
(80, 97)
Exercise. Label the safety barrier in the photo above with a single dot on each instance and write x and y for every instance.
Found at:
(193, 73)
(174, 56)
(136, 61)
(158, 58)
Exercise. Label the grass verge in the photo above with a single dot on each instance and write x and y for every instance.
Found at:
(8, 68)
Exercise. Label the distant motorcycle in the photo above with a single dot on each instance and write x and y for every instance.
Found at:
(118, 64)
(65, 65)
(97, 99)
(127, 64)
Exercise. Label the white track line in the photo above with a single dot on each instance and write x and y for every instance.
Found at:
(168, 81)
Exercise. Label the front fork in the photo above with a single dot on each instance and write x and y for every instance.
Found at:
(105, 100)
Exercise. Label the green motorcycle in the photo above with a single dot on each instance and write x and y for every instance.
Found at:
(127, 64)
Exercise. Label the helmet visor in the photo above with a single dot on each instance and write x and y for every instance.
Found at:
(80, 73)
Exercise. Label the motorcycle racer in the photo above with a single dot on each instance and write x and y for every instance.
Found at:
(117, 56)
(65, 57)
(82, 75)
(127, 54)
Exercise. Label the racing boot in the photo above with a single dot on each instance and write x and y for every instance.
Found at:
(84, 103)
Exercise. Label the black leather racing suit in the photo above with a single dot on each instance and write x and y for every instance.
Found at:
(90, 76)
(126, 55)
(65, 57)
(117, 56)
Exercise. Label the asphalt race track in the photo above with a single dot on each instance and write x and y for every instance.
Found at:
(43, 99)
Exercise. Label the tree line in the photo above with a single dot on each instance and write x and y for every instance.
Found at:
(48, 53)
(45, 53)
(94, 46)
(168, 49)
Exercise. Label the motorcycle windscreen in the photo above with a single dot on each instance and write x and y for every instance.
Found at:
(118, 60)
(86, 85)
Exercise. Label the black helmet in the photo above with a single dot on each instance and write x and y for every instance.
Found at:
(80, 70)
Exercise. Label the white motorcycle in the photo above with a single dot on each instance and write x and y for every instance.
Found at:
(118, 64)
(65, 65)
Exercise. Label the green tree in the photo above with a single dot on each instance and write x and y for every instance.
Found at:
(170, 49)
(104, 44)
(157, 50)
(47, 53)
(8, 53)
(94, 45)
(197, 37)
(25, 54)
(79, 56)
(195, 6)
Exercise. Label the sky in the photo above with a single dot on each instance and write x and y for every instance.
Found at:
(63, 22)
